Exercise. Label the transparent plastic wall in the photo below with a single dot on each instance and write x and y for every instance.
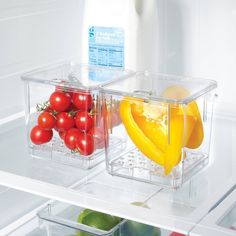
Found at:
(63, 113)
(63, 219)
(164, 127)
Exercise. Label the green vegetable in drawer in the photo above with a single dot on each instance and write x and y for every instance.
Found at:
(132, 228)
(97, 220)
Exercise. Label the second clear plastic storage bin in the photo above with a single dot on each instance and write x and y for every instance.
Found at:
(63, 113)
(64, 219)
(164, 127)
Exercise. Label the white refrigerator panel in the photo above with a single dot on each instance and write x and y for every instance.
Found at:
(198, 39)
(34, 33)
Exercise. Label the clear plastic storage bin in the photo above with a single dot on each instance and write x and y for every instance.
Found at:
(63, 219)
(64, 97)
(164, 127)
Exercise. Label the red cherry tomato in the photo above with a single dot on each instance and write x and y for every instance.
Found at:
(176, 234)
(62, 134)
(82, 100)
(72, 108)
(56, 128)
(84, 121)
(119, 118)
(114, 119)
(46, 121)
(64, 89)
(48, 109)
(85, 144)
(60, 101)
(64, 121)
(71, 137)
(39, 136)
(99, 137)
(102, 126)
(101, 122)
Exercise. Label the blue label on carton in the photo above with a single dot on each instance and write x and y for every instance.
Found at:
(106, 46)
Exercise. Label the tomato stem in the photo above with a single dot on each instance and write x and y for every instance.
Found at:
(43, 106)
(75, 151)
(72, 113)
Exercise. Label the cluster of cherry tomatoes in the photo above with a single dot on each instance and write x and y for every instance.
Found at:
(73, 116)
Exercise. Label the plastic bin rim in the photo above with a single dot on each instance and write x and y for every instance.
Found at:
(212, 84)
(31, 76)
(78, 226)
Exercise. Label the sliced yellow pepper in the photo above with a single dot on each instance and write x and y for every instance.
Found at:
(147, 127)
(197, 136)
(144, 144)
(154, 131)
(178, 137)
(158, 134)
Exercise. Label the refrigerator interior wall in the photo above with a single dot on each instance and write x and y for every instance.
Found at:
(198, 39)
(33, 34)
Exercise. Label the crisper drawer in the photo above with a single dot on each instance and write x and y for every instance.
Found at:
(59, 218)
(74, 220)
(221, 221)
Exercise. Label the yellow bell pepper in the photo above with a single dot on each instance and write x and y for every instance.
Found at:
(178, 137)
(147, 127)
(197, 136)
(144, 144)
(158, 134)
